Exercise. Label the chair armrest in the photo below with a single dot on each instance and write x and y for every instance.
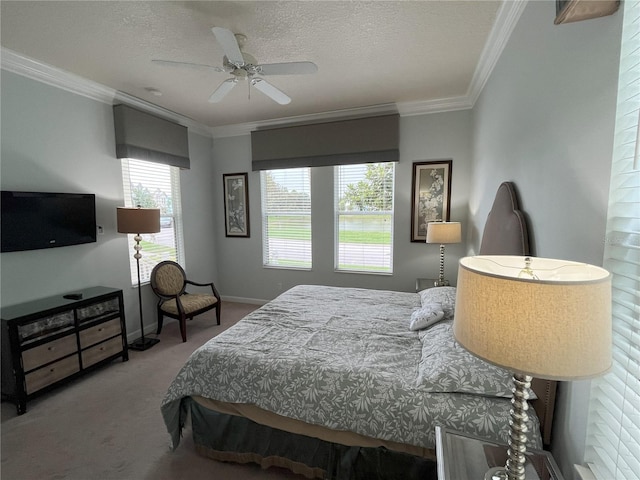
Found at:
(210, 284)
(198, 284)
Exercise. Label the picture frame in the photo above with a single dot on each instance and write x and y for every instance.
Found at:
(430, 195)
(236, 204)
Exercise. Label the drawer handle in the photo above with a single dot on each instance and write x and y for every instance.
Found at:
(50, 349)
(52, 370)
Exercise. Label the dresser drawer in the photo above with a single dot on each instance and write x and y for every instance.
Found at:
(49, 352)
(51, 373)
(96, 334)
(100, 352)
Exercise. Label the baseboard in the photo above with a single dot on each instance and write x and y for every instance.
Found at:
(252, 301)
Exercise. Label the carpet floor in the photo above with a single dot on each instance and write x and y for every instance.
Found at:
(107, 425)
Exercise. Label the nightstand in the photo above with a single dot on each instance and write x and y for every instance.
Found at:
(461, 457)
(422, 283)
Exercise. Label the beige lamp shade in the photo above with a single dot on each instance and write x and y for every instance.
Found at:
(549, 319)
(444, 232)
(138, 220)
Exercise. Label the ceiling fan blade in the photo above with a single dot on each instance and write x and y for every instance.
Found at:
(224, 88)
(270, 91)
(287, 68)
(198, 66)
(229, 44)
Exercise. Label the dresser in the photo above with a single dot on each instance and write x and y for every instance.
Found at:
(49, 341)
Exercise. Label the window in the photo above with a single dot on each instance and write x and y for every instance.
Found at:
(154, 185)
(364, 217)
(613, 434)
(286, 218)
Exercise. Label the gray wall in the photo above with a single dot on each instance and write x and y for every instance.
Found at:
(427, 137)
(56, 141)
(545, 121)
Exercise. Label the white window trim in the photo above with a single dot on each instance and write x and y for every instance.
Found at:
(265, 238)
(338, 212)
(176, 218)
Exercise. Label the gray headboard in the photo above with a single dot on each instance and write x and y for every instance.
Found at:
(506, 233)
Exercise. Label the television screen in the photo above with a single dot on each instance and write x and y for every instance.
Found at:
(36, 220)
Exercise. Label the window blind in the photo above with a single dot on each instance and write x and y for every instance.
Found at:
(613, 434)
(154, 185)
(286, 218)
(364, 217)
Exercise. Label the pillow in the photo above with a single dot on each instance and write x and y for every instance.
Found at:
(426, 316)
(445, 296)
(446, 366)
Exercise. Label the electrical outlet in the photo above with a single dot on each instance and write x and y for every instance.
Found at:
(100, 230)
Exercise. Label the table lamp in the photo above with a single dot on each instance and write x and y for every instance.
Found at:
(536, 317)
(139, 220)
(443, 232)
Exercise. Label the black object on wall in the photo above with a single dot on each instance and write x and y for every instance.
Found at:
(38, 220)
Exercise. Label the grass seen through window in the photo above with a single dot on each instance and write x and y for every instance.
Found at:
(365, 230)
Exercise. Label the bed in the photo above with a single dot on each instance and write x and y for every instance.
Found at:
(330, 382)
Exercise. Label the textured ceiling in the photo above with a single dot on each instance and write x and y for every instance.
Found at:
(368, 52)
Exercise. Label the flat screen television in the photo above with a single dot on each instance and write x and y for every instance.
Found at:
(38, 220)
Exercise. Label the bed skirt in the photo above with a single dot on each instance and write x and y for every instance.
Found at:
(231, 438)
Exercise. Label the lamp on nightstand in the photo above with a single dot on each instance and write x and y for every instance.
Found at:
(443, 232)
(536, 317)
(139, 220)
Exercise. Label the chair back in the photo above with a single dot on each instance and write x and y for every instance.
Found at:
(168, 279)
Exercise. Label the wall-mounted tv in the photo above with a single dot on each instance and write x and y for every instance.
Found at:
(37, 220)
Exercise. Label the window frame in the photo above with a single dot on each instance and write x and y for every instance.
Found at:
(388, 248)
(150, 258)
(305, 250)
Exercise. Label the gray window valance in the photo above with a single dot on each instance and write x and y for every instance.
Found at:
(143, 136)
(362, 140)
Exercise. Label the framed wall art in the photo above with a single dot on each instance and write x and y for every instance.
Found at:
(431, 196)
(236, 204)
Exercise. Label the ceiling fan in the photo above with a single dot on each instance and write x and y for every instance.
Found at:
(243, 66)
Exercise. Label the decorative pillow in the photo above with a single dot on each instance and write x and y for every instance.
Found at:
(426, 316)
(445, 296)
(446, 366)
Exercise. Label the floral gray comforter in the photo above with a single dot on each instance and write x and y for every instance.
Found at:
(344, 358)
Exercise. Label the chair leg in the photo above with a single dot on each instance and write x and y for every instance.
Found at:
(183, 328)
(160, 319)
(218, 312)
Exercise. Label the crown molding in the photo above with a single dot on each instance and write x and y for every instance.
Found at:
(246, 128)
(451, 104)
(405, 109)
(506, 19)
(55, 77)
